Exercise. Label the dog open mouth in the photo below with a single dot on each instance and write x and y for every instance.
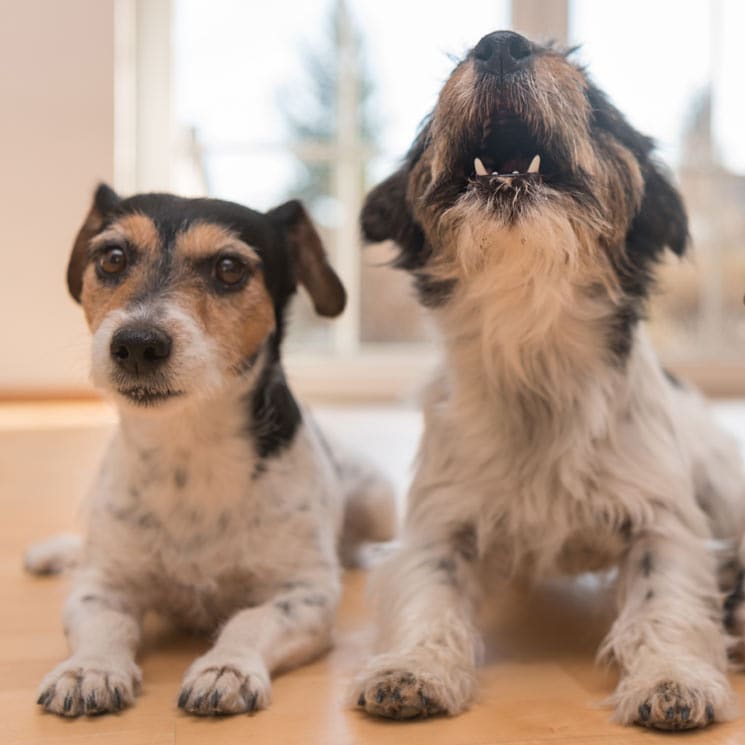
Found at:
(508, 155)
(148, 397)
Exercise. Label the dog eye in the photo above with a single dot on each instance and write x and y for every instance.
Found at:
(113, 261)
(230, 271)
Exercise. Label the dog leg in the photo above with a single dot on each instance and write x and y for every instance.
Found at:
(425, 602)
(291, 628)
(668, 638)
(369, 507)
(103, 631)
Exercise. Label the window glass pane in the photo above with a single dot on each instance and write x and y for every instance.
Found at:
(675, 69)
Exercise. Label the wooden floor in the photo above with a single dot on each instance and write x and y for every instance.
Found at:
(539, 686)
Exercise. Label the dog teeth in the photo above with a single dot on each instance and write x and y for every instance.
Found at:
(480, 169)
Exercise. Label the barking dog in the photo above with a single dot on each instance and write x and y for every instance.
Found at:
(218, 503)
(532, 215)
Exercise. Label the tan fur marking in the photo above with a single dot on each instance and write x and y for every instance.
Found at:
(137, 229)
(97, 299)
(238, 323)
(207, 238)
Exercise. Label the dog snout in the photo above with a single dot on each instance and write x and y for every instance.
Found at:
(140, 349)
(502, 53)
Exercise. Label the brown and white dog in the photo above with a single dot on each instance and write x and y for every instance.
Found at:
(218, 504)
(531, 215)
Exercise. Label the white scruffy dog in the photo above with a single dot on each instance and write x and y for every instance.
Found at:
(218, 504)
(531, 215)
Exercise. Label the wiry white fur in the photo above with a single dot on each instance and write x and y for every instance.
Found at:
(187, 521)
(543, 455)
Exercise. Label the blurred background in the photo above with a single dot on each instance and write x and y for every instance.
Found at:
(260, 102)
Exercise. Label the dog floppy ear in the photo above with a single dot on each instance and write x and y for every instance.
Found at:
(105, 201)
(386, 213)
(662, 220)
(309, 259)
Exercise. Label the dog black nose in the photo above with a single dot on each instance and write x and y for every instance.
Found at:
(140, 349)
(502, 52)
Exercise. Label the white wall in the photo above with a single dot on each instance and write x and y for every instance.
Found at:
(56, 142)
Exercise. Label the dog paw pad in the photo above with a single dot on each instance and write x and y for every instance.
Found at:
(400, 695)
(671, 706)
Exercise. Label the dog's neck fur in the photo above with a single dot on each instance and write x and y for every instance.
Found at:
(530, 335)
(205, 423)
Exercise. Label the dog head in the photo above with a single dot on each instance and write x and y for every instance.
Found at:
(524, 162)
(181, 295)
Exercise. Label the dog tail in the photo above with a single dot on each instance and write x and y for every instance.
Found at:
(53, 555)
(370, 514)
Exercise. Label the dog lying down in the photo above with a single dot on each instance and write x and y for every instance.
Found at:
(218, 504)
(532, 216)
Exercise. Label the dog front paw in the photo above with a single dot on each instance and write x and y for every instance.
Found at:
(412, 687)
(90, 687)
(211, 688)
(400, 694)
(671, 704)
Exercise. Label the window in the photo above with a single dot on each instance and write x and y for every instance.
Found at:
(317, 100)
(320, 99)
(678, 77)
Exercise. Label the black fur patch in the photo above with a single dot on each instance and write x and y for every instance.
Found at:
(465, 542)
(674, 380)
(733, 601)
(275, 415)
(645, 565)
